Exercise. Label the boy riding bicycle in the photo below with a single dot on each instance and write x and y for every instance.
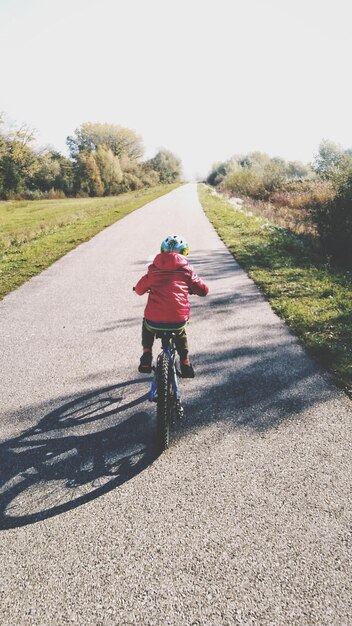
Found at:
(169, 281)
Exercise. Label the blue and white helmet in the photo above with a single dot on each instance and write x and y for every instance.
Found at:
(175, 243)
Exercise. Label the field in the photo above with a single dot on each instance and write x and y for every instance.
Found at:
(34, 234)
(311, 296)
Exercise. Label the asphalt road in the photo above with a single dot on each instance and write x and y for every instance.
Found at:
(246, 519)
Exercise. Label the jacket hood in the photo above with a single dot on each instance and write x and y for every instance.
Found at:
(170, 261)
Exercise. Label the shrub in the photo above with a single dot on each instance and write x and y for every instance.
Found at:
(246, 182)
(334, 220)
(130, 182)
(303, 194)
(55, 194)
(26, 194)
(217, 174)
(150, 179)
(328, 160)
(255, 174)
(167, 165)
(274, 176)
(88, 175)
(314, 201)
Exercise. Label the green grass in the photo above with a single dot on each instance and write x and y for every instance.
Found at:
(312, 297)
(34, 234)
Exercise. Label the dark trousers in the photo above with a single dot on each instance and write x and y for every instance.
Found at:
(181, 342)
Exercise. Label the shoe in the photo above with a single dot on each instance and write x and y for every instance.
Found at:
(145, 364)
(187, 371)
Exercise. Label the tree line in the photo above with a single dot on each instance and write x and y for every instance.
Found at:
(321, 189)
(105, 159)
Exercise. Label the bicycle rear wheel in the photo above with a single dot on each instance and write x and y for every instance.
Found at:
(166, 398)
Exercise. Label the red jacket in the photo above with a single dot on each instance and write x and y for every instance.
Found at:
(169, 281)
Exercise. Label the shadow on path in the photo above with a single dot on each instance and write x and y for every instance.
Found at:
(97, 441)
(254, 375)
(258, 387)
(82, 449)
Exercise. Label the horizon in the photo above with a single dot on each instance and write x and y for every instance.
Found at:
(201, 82)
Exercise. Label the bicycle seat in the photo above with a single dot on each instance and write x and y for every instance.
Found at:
(164, 334)
(161, 327)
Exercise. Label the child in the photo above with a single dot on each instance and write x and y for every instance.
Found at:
(169, 281)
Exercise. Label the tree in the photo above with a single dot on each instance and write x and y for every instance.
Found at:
(19, 163)
(47, 173)
(110, 170)
(88, 175)
(65, 179)
(296, 169)
(118, 139)
(328, 159)
(2, 155)
(218, 173)
(274, 174)
(167, 165)
(256, 160)
(105, 159)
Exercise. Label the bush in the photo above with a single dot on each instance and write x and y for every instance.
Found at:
(246, 182)
(314, 202)
(334, 220)
(303, 194)
(274, 176)
(217, 174)
(150, 179)
(54, 194)
(130, 182)
(26, 194)
(167, 165)
(255, 174)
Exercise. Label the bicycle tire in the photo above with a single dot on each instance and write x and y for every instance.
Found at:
(164, 403)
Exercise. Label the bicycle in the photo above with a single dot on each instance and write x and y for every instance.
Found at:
(164, 389)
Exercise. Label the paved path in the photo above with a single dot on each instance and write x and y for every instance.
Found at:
(245, 520)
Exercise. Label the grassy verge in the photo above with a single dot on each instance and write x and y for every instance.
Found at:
(313, 298)
(34, 234)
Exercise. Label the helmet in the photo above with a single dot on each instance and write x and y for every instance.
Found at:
(175, 243)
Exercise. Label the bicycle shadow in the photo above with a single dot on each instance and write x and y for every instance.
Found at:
(84, 448)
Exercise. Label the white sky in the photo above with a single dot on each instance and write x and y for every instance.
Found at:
(203, 78)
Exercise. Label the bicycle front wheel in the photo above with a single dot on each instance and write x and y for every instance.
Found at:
(165, 402)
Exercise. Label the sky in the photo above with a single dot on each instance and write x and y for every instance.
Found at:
(205, 79)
